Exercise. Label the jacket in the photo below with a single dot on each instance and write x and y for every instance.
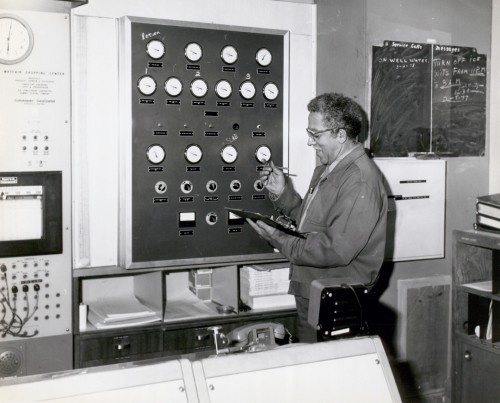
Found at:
(345, 225)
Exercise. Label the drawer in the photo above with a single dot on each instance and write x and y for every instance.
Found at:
(120, 346)
(182, 341)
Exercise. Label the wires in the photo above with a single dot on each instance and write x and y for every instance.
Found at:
(11, 323)
(363, 324)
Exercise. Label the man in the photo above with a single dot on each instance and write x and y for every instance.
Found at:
(343, 214)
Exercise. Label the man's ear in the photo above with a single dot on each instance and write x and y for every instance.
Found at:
(342, 136)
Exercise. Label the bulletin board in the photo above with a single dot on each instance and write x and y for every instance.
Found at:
(427, 98)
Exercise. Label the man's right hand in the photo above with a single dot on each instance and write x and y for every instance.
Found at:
(273, 179)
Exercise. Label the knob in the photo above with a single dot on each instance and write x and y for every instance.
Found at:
(3, 268)
(468, 355)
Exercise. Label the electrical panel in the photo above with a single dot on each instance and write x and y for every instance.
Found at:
(35, 193)
(205, 107)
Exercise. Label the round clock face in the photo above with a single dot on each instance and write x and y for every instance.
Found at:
(155, 49)
(263, 154)
(173, 86)
(193, 153)
(16, 39)
(199, 87)
(223, 89)
(229, 154)
(155, 154)
(146, 85)
(271, 91)
(264, 57)
(193, 52)
(229, 54)
(247, 90)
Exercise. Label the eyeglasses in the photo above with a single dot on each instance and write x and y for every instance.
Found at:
(316, 135)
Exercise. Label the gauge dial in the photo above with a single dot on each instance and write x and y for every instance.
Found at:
(264, 57)
(223, 89)
(229, 54)
(155, 154)
(155, 49)
(271, 91)
(247, 90)
(263, 154)
(173, 86)
(193, 52)
(146, 85)
(229, 154)
(193, 153)
(199, 87)
(16, 39)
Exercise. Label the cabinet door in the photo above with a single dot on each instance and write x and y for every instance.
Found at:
(477, 382)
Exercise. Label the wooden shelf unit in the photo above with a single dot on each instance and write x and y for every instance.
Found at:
(168, 337)
(475, 356)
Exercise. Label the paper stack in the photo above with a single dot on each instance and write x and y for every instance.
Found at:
(488, 213)
(265, 287)
(107, 313)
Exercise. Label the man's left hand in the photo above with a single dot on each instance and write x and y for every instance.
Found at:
(265, 231)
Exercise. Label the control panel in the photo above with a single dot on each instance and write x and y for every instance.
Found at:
(206, 114)
(35, 193)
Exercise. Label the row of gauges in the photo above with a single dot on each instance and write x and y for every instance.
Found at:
(199, 88)
(194, 52)
(194, 153)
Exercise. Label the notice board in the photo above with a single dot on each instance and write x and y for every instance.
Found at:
(427, 98)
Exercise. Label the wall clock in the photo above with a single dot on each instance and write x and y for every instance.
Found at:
(16, 39)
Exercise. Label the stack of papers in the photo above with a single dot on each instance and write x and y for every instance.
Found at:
(261, 288)
(106, 313)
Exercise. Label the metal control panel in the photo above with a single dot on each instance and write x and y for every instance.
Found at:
(207, 113)
(35, 194)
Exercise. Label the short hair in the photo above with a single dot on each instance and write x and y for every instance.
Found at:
(339, 112)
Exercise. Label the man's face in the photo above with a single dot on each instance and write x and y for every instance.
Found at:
(324, 141)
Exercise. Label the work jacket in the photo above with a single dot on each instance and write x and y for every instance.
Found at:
(345, 225)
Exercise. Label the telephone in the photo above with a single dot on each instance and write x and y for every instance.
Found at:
(256, 337)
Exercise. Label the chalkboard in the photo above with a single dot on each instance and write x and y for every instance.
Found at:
(458, 101)
(427, 99)
(401, 93)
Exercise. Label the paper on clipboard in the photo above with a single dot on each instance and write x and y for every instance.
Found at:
(254, 216)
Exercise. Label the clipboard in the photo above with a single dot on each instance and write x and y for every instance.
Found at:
(254, 216)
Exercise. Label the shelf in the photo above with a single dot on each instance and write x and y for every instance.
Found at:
(476, 312)
(480, 288)
(482, 343)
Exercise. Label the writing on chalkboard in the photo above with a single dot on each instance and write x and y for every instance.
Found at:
(427, 99)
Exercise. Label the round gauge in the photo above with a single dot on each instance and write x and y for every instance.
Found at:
(146, 85)
(193, 52)
(173, 86)
(155, 49)
(229, 154)
(247, 90)
(193, 153)
(223, 89)
(263, 154)
(264, 57)
(199, 87)
(229, 54)
(271, 91)
(155, 154)
(16, 39)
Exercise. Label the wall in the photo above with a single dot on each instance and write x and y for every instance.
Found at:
(495, 100)
(347, 30)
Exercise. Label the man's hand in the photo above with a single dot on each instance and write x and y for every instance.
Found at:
(265, 231)
(272, 178)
